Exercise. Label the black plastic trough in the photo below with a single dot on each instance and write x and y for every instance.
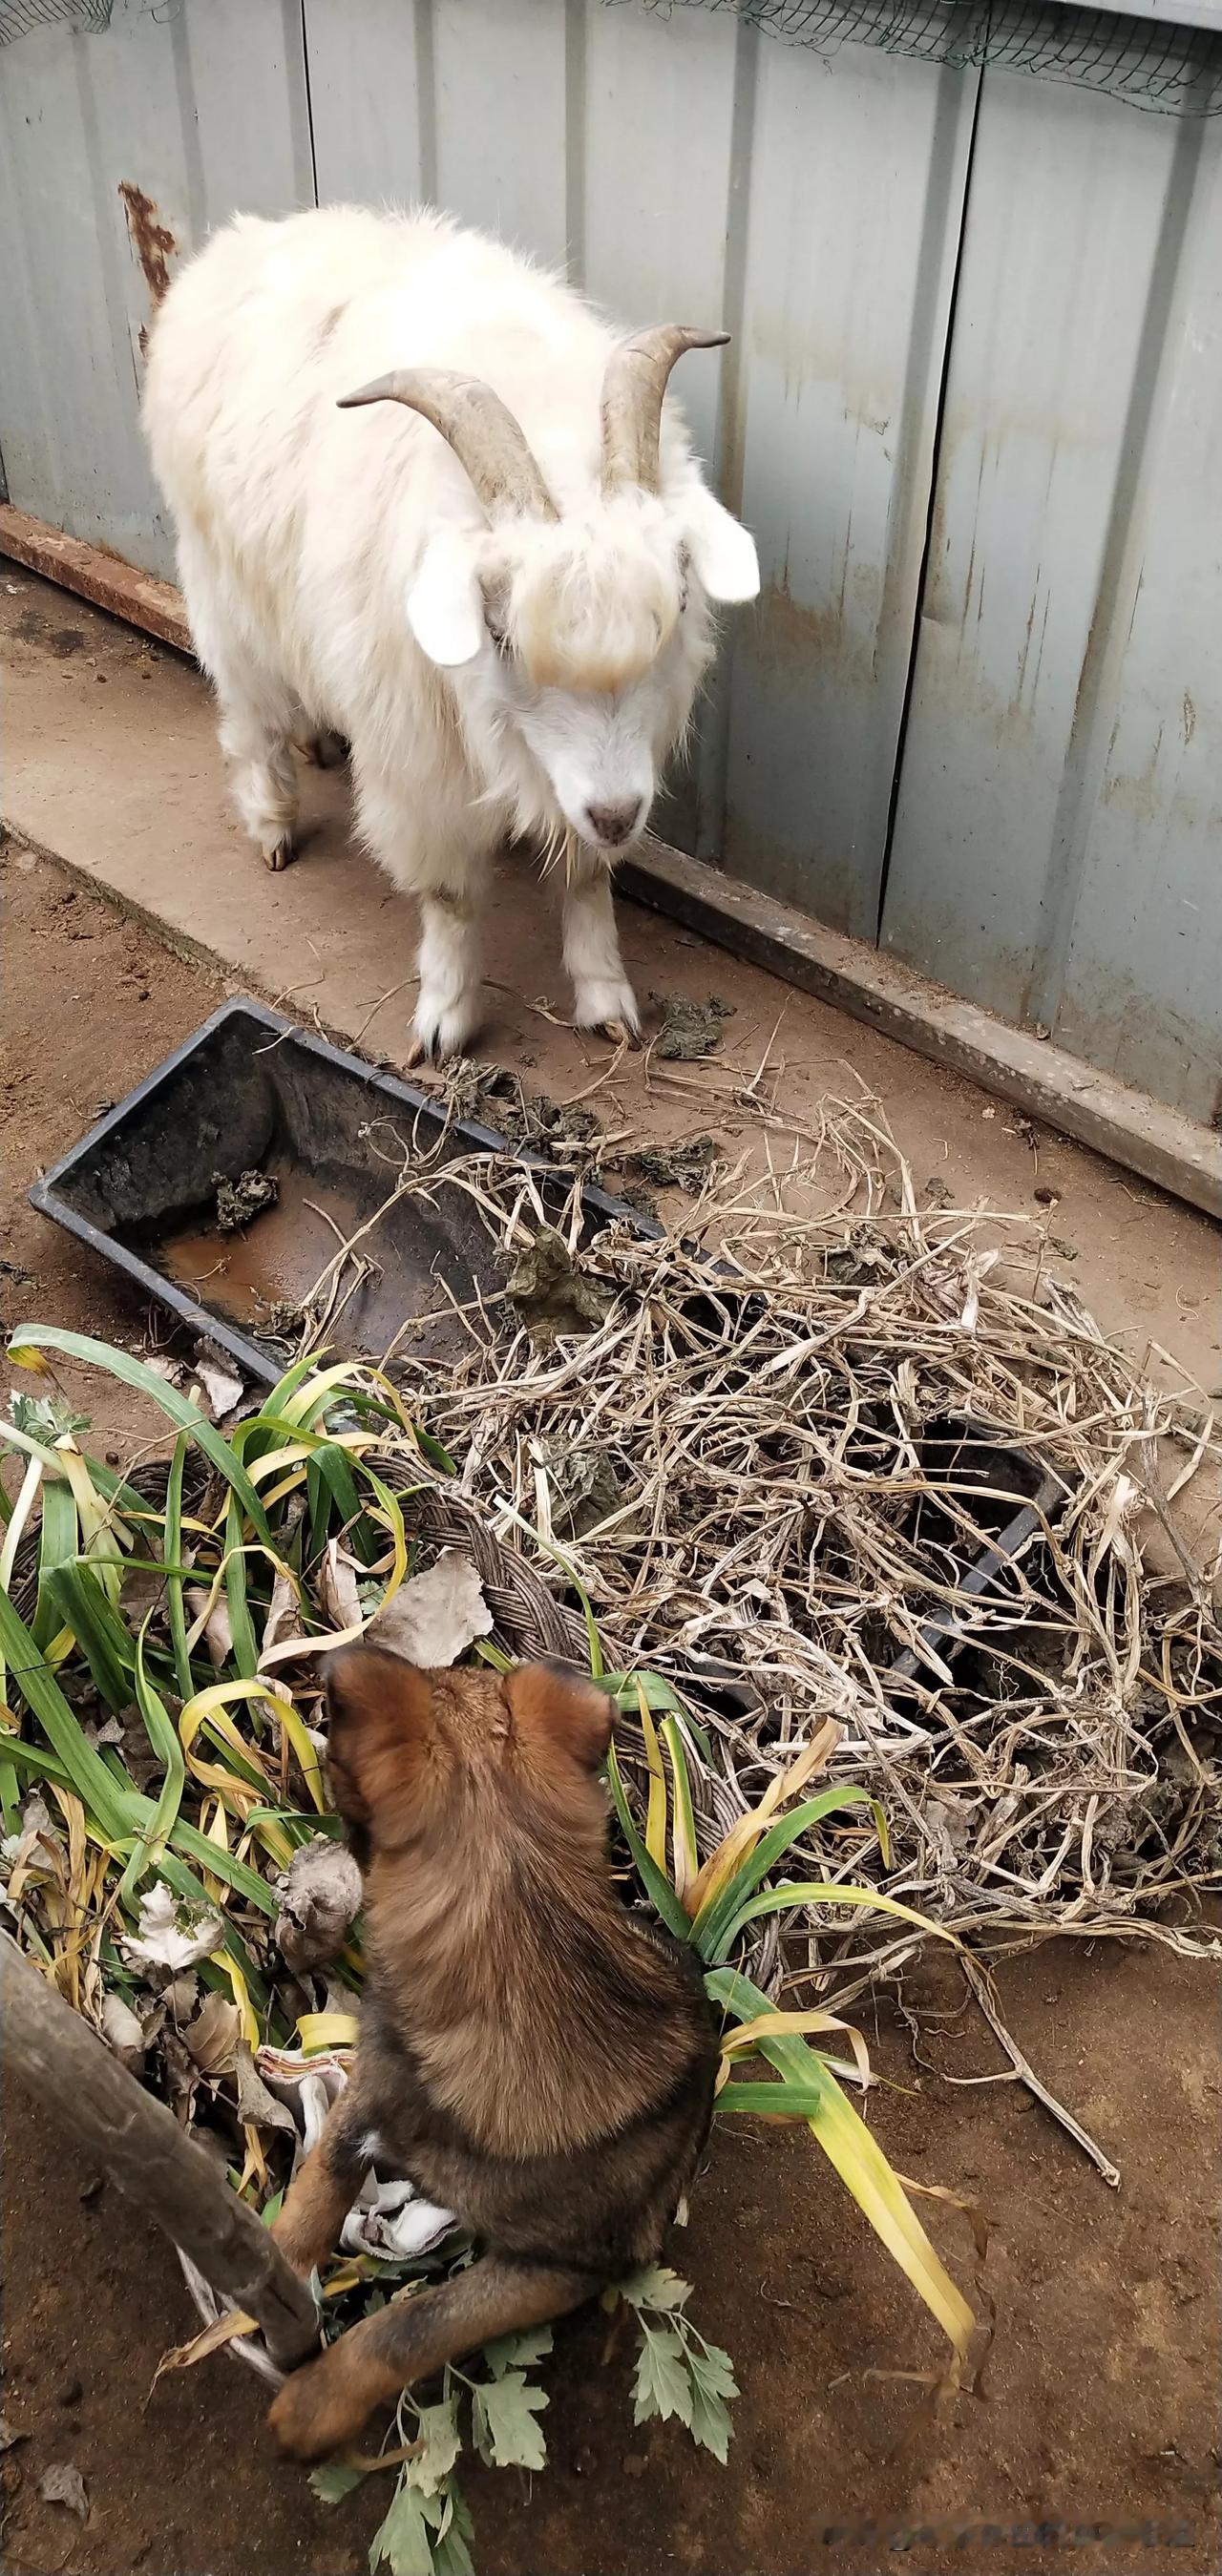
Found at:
(251, 1091)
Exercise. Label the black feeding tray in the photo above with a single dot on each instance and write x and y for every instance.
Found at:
(252, 1092)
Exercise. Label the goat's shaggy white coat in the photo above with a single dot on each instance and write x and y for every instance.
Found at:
(493, 672)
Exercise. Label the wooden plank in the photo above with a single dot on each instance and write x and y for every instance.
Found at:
(56, 2055)
(93, 574)
(1095, 1109)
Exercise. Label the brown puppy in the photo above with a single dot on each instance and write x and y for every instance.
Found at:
(534, 2056)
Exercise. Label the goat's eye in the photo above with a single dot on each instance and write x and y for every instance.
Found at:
(497, 636)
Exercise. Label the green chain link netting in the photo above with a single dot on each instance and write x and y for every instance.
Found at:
(20, 17)
(1171, 70)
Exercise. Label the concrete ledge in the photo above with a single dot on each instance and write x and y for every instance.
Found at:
(1159, 1143)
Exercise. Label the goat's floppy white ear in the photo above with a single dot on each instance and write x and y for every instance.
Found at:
(445, 606)
(723, 554)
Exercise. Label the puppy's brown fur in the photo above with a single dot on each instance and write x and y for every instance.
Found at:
(536, 2058)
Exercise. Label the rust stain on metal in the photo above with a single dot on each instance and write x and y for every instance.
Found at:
(790, 635)
(151, 240)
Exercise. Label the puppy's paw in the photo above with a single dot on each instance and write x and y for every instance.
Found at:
(321, 2407)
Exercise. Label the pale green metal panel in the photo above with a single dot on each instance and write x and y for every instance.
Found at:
(500, 79)
(198, 108)
(371, 101)
(1056, 850)
(661, 216)
(1017, 763)
(660, 198)
(457, 102)
(1138, 976)
(856, 185)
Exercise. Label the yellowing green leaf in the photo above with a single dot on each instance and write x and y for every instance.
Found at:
(437, 2429)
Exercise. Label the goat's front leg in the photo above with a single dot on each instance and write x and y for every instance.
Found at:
(430, 848)
(603, 996)
(448, 1005)
(325, 2404)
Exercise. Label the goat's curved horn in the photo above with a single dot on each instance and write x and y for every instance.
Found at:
(479, 427)
(633, 388)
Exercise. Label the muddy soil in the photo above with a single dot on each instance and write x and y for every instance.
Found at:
(1094, 2441)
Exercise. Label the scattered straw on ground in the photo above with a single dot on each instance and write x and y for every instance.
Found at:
(772, 1480)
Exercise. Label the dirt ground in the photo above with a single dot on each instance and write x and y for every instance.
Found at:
(112, 764)
(1094, 2440)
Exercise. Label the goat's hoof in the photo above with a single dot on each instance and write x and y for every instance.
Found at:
(620, 1034)
(323, 750)
(444, 1029)
(280, 854)
(606, 1004)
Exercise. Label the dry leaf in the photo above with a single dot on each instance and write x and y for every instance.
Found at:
(123, 2030)
(63, 2484)
(284, 1615)
(170, 1935)
(257, 2108)
(181, 1997)
(212, 2338)
(141, 1592)
(169, 1370)
(320, 1895)
(221, 1384)
(337, 1590)
(211, 2039)
(434, 1618)
(218, 1635)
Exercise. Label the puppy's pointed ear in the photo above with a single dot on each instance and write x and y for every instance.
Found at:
(563, 1712)
(380, 1712)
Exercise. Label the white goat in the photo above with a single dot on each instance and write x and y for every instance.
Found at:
(498, 594)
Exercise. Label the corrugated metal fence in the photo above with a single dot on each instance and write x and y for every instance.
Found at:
(973, 412)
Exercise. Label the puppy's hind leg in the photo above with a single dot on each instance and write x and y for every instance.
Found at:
(325, 2404)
